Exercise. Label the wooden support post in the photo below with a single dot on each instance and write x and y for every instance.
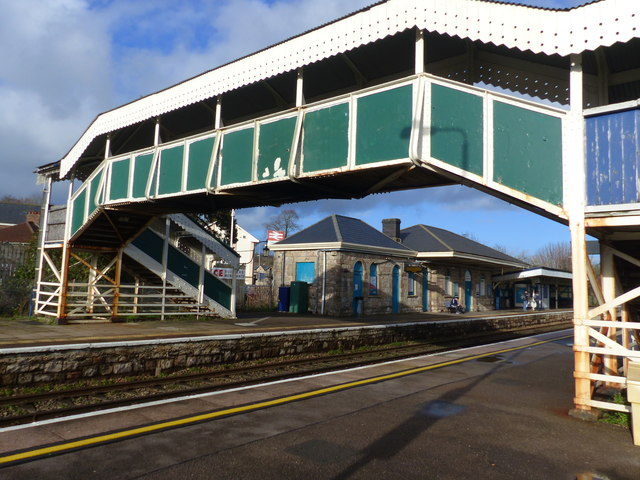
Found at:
(116, 287)
(92, 283)
(608, 281)
(575, 192)
(580, 308)
(136, 292)
(234, 285)
(64, 266)
(165, 258)
(42, 238)
(203, 258)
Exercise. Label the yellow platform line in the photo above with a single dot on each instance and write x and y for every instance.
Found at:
(100, 439)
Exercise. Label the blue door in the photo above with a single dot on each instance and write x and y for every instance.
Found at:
(425, 290)
(395, 290)
(468, 291)
(357, 289)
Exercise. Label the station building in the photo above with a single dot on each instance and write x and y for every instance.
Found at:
(351, 268)
(551, 287)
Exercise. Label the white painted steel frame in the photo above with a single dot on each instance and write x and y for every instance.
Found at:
(419, 143)
(514, 26)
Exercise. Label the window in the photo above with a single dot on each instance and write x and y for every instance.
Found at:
(305, 271)
(456, 289)
(373, 279)
(483, 287)
(447, 282)
(411, 287)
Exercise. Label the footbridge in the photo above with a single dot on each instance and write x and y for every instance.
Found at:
(539, 107)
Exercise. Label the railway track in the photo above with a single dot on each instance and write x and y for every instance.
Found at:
(17, 409)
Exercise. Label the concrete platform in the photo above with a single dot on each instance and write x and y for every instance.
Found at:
(25, 332)
(492, 412)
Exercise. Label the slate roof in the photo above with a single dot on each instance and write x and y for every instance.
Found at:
(427, 239)
(341, 229)
(21, 233)
(14, 213)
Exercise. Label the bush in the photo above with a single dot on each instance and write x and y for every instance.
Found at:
(15, 291)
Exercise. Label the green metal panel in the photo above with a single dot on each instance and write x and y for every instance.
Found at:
(141, 168)
(274, 148)
(326, 138)
(93, 188)
(199, 159)
(150, 243)
(528, 152)
(183, 266)
(78, 211)
(456, 128)
(237, 157)
(178, 263)
(170, 170)
(384, 125)
(216, 290)
(119, 179)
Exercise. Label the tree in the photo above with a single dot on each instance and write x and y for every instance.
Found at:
(220, 220)
(554, 255)
(15, 291)
(32, 200)
(286, 221)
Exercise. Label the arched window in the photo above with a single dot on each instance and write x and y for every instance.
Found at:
(373, 279)
(411, 285)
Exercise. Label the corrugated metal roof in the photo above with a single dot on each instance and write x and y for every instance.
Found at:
(599, 23)
(427, 239)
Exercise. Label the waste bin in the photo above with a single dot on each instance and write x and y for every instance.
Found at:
(283, 298)
(299, 297)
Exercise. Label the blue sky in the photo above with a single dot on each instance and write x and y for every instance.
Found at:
(65, 61)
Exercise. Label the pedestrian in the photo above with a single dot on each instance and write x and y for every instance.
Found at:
(525, 300)
(454, 306)
(536, 299)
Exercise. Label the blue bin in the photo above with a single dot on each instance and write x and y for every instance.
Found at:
(284, 295)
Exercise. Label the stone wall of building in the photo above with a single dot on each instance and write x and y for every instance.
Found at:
(442, 286)
(336, 280)
(64, 364)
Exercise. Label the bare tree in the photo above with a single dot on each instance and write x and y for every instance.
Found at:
(554, 255)
(286, 221)
(31, 200)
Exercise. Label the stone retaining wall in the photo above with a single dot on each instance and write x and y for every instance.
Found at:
(60, 364)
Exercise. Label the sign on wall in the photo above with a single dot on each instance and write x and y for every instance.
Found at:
(274, 236)
(226, 273)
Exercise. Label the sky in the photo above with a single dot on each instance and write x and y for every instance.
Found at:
(65, 61)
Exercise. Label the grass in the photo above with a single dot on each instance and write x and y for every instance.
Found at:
(613, 417)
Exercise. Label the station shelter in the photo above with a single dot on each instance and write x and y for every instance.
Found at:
(551, 288)
(351, 268)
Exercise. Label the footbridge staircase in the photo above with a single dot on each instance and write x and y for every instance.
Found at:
(158, 267)
(539, 107)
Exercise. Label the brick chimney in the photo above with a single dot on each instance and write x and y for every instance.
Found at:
(391, 228)
(34, 217)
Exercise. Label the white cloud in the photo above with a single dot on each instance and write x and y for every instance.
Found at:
(66, 61)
